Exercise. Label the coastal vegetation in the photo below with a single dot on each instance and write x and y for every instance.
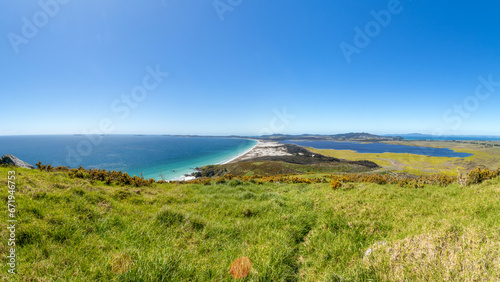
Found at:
(216, 174)
(73, 226)
(484, 155)
(300, 217)
(298, 160)
(300, 155)
(108, 177)
(274, 168)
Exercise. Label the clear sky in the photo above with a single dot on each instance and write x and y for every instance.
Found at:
(249, 67)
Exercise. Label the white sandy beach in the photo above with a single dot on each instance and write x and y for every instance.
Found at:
(242, 154)
(262, 149)
(184, 178)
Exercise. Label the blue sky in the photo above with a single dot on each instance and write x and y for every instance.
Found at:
(249, 67)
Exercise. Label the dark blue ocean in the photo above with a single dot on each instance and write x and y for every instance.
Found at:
(380, 148)
(153, 156)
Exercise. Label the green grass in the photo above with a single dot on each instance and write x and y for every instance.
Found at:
(71, 229)
(486, 156)
(485, 153)
(402, 162)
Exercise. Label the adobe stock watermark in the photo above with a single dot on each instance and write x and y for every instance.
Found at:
(223, 6)
(31, 26)
(363, 36)
(455, 116)
(484, 89)
(11, 222)
(122, 107)
(278, 122)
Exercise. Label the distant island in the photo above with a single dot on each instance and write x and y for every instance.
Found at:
(353, 137)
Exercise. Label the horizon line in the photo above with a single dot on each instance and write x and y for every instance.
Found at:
(243, 135)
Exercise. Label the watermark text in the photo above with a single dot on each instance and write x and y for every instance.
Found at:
(31, 26)
(11, 222)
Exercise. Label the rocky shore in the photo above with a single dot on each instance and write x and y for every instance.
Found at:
(11, 160)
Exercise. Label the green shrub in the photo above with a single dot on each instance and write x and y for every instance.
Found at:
(235, 182)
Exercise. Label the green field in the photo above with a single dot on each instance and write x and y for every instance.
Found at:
(487, 155)
(82, 230)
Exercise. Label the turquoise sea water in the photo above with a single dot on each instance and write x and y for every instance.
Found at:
(154, 156)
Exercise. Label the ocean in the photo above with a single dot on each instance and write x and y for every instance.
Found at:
(155, 156)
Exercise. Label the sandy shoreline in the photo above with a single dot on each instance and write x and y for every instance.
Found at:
(183, 178)
(242, 154)
(190, 177)
(263, 149)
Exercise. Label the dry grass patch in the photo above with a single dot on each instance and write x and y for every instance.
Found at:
(120, 263)
(468, 255)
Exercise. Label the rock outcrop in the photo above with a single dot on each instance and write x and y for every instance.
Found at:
(8, 159)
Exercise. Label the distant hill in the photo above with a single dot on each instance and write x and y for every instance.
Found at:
(363, 137)
(353, 136)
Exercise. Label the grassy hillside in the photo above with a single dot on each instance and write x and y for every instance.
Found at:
(75, 229)
(247, 168)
